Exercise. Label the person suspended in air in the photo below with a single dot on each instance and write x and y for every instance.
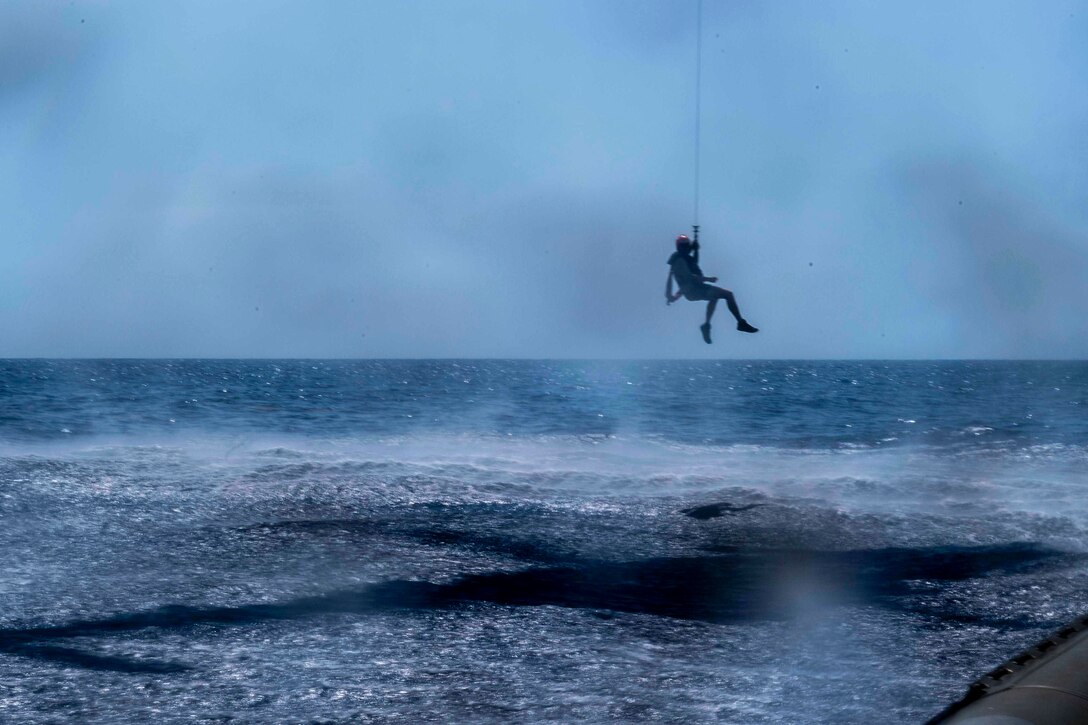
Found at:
(695, 286)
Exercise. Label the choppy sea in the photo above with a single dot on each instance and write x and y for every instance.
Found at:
(303, 541)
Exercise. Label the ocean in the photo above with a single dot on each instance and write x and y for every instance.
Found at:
(314, 541)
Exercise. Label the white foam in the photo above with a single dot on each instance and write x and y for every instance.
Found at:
(1046, 480)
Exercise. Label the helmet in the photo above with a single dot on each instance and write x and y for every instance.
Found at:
(683, 241)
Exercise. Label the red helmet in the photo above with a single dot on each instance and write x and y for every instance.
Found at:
(683, 241)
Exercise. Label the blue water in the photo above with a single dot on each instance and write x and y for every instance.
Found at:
(524, 541)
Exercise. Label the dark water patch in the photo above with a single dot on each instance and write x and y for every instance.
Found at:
(733, 587)
(744, 584)
(716, 510)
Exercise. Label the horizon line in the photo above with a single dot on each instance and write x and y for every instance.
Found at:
(536, 359)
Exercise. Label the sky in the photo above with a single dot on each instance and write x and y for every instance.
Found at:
(505, 178)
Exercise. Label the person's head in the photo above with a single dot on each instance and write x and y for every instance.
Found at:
(683, 244)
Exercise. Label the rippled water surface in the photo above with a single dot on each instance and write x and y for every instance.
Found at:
(520, 541)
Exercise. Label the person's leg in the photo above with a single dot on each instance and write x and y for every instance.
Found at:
(704, 328)
(730, 301)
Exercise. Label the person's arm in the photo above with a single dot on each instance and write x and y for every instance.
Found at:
(669, 297)
(697, 274)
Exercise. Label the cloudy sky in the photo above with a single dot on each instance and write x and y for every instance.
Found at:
(504, 178)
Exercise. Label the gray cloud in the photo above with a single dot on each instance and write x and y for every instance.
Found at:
(1012, 270)
(39, 43)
